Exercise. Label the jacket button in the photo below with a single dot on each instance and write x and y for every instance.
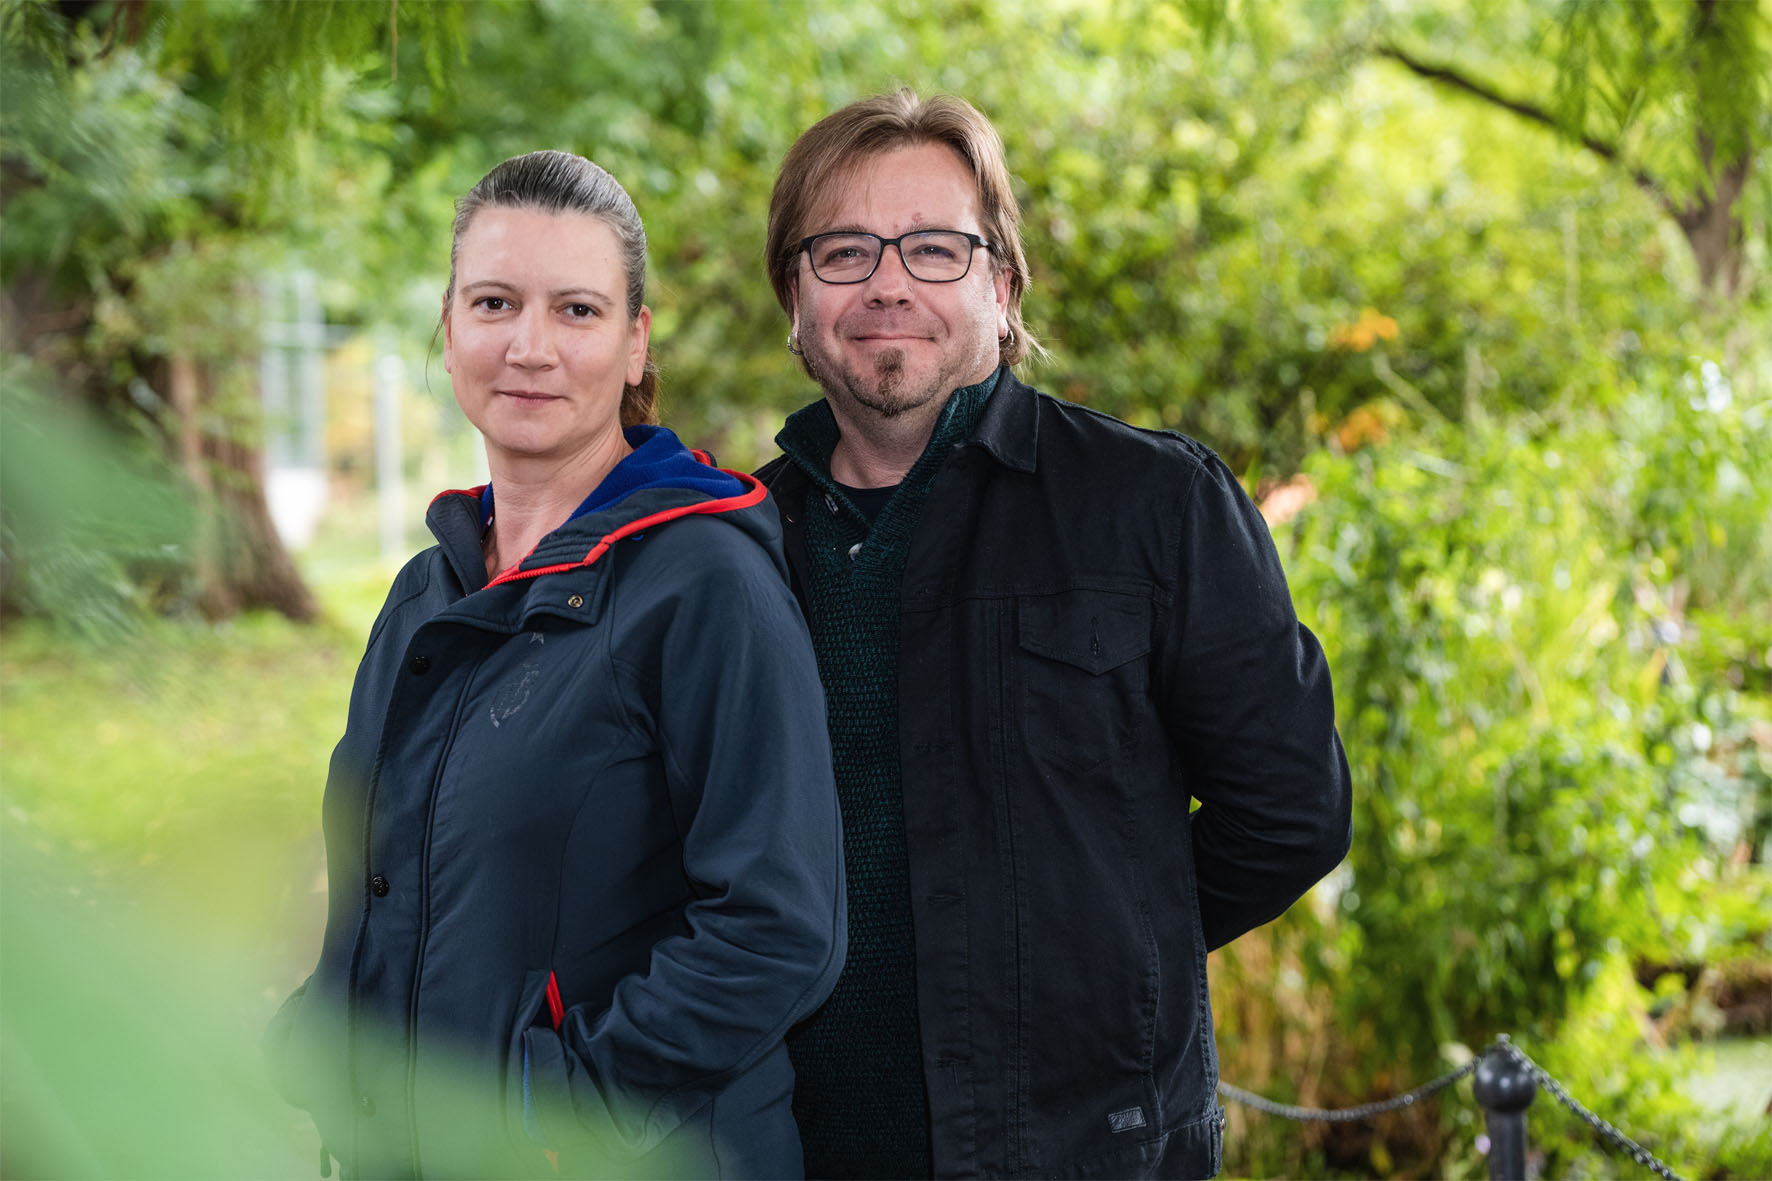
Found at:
(378, 886)
(576, 601)
(366, 1105)
(421, 664)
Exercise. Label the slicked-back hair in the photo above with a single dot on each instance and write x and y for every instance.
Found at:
(823, 157)
(560, 182)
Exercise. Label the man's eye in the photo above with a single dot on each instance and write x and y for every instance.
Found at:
(841, 254)
(580, 311)
(934, 252)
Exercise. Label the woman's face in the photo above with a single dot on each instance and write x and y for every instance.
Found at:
(537, 339)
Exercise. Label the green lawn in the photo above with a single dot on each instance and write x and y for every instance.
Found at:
(160, 844)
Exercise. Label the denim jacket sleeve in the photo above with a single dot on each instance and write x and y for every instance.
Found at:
(1247, 701)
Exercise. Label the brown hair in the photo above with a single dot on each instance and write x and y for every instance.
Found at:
(560, 182)
(833, 145)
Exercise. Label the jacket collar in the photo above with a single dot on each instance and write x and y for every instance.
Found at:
(672, 482)
(1009, 428)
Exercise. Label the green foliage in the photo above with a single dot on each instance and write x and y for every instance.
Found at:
(90, 526)
(1544, 798)
(1491, 710)
(170, 1084)
(1658, 74)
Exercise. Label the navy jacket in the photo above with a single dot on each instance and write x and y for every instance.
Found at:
(583, 850)
(1094, 632)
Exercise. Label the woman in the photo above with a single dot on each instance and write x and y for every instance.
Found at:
(581, 832)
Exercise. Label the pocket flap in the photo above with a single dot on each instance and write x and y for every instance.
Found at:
(1090, 629)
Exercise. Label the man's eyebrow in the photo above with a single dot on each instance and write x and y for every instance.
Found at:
(919, 223)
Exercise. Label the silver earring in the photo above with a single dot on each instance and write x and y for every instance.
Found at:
(1007, 339)
(794, 343)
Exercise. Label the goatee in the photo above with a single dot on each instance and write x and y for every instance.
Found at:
(889, 372)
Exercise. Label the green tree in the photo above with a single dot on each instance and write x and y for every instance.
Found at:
(155, 157)
(1676, 93)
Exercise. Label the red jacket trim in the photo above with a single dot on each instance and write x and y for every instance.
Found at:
(726, 504)
(475, 492)
(556, 1006)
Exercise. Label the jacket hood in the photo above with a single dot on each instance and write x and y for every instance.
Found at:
(659, 481)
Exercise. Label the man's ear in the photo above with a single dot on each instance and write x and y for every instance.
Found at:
(1000, 289)
(794, 302)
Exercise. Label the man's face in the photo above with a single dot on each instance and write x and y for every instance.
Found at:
(895, 343)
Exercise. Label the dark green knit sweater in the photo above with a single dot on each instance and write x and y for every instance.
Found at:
(859, 1096)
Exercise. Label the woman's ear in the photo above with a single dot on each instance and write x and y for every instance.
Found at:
(642, 337)
(448, 337)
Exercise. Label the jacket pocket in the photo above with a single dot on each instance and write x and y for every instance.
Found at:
(1083, 679)
(533, 1010)
(1192, 1150)
(281, 1051)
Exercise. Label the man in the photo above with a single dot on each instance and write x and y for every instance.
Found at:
(1041, 632)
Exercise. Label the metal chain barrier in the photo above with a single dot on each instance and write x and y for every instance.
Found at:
(1346, 1115)
(1605, 1132)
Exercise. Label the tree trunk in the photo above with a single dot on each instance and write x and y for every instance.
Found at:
(1712, 227)
(240, 562)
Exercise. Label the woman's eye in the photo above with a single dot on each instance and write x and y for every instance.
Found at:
(580, 311)
(492, 303)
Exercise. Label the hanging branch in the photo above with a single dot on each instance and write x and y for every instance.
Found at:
(1532, 112)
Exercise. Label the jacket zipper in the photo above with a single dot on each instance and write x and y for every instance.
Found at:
(424, 927)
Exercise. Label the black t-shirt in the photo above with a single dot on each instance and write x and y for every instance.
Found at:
(869, 500)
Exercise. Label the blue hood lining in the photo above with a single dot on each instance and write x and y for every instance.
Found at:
(658, 460)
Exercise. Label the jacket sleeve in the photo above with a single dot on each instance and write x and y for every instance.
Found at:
(732, 693)
(1246, 698)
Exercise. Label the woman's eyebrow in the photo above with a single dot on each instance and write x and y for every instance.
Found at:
(589, 294)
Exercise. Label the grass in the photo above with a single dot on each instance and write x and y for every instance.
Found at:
(163, 882)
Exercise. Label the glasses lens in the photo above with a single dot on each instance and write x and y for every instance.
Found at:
(844, 258)
(937, 256)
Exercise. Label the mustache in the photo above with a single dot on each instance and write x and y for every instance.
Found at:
(887, 323)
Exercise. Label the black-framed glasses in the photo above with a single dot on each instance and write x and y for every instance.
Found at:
(934, 256)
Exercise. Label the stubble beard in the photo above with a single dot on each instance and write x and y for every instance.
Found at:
(882, 392)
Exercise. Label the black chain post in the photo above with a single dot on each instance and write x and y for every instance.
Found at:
(1504, 1086)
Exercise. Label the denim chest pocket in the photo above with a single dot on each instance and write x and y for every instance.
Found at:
(1084, 675)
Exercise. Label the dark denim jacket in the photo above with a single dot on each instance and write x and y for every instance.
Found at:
(1095, 630)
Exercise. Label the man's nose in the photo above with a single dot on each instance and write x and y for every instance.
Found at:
(532, 339)
(891, 281)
